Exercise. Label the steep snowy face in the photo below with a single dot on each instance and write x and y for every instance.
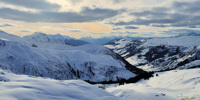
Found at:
(22, 87)
(59, 61)
(159, 54)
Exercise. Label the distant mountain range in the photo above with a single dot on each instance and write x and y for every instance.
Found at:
(88, 40)
(104, 40)
(68, 40)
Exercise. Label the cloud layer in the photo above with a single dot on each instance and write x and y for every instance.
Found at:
(102, 17)
(86, 15)
(35, 4)
(178, 14)
(5, 25)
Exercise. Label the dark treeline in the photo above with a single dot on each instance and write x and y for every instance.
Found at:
(145, 76)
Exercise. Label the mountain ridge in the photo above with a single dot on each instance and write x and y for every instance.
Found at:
(159, 54)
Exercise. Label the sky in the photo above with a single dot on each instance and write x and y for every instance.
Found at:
(100, 18)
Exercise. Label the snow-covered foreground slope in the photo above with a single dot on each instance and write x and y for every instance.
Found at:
(22, 87)
(171, 85)
(40, 55)
(159, 54)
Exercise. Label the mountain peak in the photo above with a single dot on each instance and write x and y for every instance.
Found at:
(40, 37)
(39, 34)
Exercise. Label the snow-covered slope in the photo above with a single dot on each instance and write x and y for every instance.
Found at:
(42, 56)
(22, 87)
(159, 54)
(171, 85)
(6, 36)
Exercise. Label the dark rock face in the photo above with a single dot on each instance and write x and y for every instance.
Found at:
(2, 43)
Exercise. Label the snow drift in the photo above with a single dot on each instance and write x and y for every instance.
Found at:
(22, 87)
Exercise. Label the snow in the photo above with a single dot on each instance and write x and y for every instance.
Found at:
(135, 61)
(22, 87)
(171, 85)
(191, 64)
(53, 59)
(9, 37)
(159, 54)
(121, 44)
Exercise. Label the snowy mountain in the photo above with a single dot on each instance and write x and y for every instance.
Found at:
(39, 37)
(170, 85)
(22, 87)
(159, 54)
(68, 40)
(40, 55)
(99, 41)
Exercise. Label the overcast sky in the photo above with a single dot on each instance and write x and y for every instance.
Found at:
(100, 18)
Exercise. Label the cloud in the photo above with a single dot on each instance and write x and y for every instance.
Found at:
(86, 15)
(195, 26)
(159, 25)
(187, 7)
(124, 33)
(5, 25)
(24, 31)
(118, 1)
(34, 4)
(117, 28)
(127, 32)
(75, 1)
(179, 14)
(96, 33)
(131, 27)
(74, 30)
